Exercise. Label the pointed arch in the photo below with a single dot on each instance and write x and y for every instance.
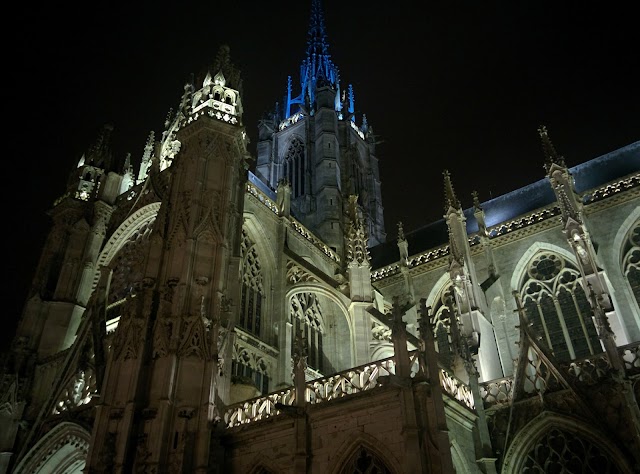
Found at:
(294, 165)
(549, 283)
(439, 301)
(321, 315)
(627, 244)
(520, 269)
(525, 452)
(263, 464)
(142, 218)
(371, 446)
(460, 462)
(252, 293)
(63, 450)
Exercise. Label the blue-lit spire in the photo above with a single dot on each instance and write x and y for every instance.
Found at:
(316, 69)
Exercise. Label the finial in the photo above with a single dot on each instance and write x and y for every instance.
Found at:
(548, 149)
(400, 231)
(223, 64)
(476, 200)
(450, 198)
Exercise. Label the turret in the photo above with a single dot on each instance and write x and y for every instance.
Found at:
(170, 356)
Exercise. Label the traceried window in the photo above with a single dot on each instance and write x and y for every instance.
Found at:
(364, 461)
(558, 308)
(357, 176)
(631, 260)
(306, 315)
(442, 325)
(294, 167)
(562, 451)
(248, 366)
(252, 297)
(129, 257)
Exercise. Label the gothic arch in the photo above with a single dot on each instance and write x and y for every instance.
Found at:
(263, 464)
(257, 233)
(63, 450)
(621, 235)
(520, 269)
(122, 234)
(531, 435)
(549, 283)
(373, 445)
(623, 248)
(294, 164)
(437, 288)
(322, 317)
(460, 462)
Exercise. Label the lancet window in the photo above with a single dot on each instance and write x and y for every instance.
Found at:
(364, 461)
(252, 297)
(306, 318)
(631, 260)
(294, 168)
(249, 366)
(562, 451)
(557, 306)
(128, 258)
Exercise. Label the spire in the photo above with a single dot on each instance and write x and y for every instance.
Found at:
(317, 69)
(450, 199)
(317, 44)
(548, 149)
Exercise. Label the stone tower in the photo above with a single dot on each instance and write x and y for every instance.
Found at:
(329, 155)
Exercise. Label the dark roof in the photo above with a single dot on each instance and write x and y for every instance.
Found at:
(589, 175)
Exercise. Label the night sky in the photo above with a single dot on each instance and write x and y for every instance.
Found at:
(455, 85)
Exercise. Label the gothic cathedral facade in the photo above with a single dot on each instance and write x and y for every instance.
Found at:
(191, 315)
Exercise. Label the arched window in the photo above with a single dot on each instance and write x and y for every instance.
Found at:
(306, 317)
(631, 260)
(364, 461)
(252, 297)
(557, 306)
(294, 167)
(247, 366)
(562, 451)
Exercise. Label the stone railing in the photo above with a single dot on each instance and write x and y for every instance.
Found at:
(588, 371)
(260, 196)
(343, 384)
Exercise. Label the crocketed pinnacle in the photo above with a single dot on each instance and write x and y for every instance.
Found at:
(224, 65)
(400, 231)
(551, 156)
(450, 198)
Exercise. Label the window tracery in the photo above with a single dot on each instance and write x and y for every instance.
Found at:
(252, 297)
(294, 169)
(364, 461)
(306, 317)
(631, 260)
(246, 365)
(557, 307)
(128, 258)
(561, 451)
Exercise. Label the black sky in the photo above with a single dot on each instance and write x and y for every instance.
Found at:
(451, 85)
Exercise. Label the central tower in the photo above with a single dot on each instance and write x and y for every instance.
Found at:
(315, 141)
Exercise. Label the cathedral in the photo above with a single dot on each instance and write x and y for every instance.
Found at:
(203, 310)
